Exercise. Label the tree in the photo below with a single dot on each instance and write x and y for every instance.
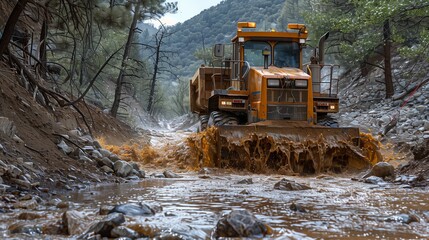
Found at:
(10, 25)
(364, 30)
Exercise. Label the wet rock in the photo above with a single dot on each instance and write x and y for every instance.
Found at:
(142, 174)
(245, 181)
(29, 216)
(133, 177)
(135, 166)
(122, 168)
(75, 133)
(53, 228)
(28, 204)
(86, 160)
(157, 175)
(184, 232)
(170, 174)
(402, 218)
(381, 169)
(124, 232)
(373, 180)
(288, 185)
(77, 153)
(23, 183)
(107, 169)
(105, 152)
(74, 222)
(114, 157)
(145, 230)
(297, 207)
(105, 226)
(7, 127)
(63, 205)
(132, 209)
(240, 223)
(245, 192)
(25, 228)
(105, 161)
(64, 147)
(104, 210)
(96, 144)
(53, 202)
(96, 154)
(17, 139)
(407, 179)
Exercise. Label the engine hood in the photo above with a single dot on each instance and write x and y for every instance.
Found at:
(286, 72)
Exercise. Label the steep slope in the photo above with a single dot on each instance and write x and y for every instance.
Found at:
(216, 25)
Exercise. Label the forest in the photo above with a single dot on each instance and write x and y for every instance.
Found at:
(105, 52)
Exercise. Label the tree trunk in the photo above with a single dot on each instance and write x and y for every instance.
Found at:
(43, 45)
(390, 91)
(153, 82)
(119, 81)
(10, 25)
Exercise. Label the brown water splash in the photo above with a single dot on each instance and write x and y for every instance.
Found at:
(283, 153)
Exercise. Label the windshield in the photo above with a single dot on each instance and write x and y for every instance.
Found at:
(253, 53)
(286, 54)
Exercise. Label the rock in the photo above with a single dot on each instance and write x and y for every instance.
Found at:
(288, 185)
(17, 139)
(157, 175)
(97, 145)
(132, 209)
(105, 226)
(53, 228)
(114, 157)
(77, 153)
(240, 223)
(13, 171)
(122, 168)
(381, 169)
(145, 230)
(105, 161)
(64, 147)
(107, 169)
(74, 222)
(142, 174)
(28, 204)
(407, 179)
(29, 216)
(245, 192)
(75, 133)
(86, 160)
(63, 205)
(23, 183)
(297, 207)
(170, 174)
(124, 232)
(25, 228)
(105, 152)
(133, 177)
(96, 154)
(403, 218)
(88, 149)
(7, 127)
(135, 166)
(373, 180)
(245, 181)
(104, 210)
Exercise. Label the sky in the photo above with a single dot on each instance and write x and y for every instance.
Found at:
(187, 9)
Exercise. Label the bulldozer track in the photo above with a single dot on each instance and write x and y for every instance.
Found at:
(222, 118)
(204, 119)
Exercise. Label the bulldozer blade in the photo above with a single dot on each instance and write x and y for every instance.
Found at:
(286, 149)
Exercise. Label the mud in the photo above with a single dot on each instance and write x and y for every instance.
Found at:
(283, 153)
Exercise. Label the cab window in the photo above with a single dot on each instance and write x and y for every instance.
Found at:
(253, 52)
(286, 54)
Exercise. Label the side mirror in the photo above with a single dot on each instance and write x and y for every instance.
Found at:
(218, 50)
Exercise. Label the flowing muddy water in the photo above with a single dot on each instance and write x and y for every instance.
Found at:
(336, 207)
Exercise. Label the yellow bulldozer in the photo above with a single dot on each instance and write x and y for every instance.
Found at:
(264, 104)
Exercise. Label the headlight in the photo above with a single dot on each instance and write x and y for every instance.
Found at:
(332, 107)
(226, 103)
(273, 83)
(300, 83)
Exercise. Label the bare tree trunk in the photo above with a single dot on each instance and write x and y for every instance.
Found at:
(120, 80)
(10, 25)
(390, 91)
(155, 72)
(43, 39)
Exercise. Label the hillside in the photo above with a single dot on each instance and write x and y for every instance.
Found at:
(216, 25)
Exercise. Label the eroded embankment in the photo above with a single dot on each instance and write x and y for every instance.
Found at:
(261, 153)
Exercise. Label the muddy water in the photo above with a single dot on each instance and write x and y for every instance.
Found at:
(336, 207)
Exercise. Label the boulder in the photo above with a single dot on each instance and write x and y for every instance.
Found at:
(402, 218)
(381, 169)
(25, 228)
(288, 185)
(96, 154)
(240, 223)
(104, 210)
(29, 216)
(105, 226)
(170, 174)
(86, 160)
(373, 180)
(14, 171)
(132, 209)
(27, 204)
(122, 168)
(73, 222)
(114, 157)
(105, 152)
(135, 166)
(105, 161)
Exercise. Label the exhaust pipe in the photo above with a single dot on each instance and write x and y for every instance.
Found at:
(322, 47)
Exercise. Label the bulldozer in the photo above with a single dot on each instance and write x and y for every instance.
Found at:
(261, 106)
